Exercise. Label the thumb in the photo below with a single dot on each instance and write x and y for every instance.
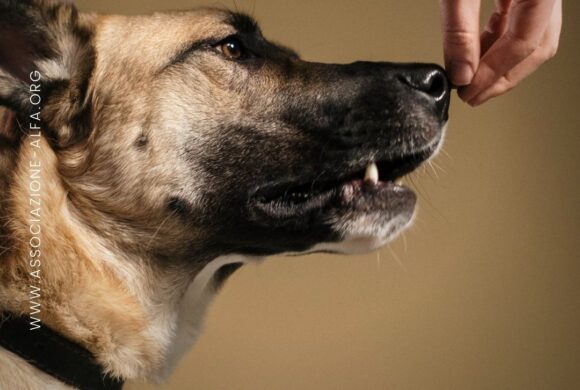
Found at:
(461, 45)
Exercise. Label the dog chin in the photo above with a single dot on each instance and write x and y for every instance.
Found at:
(367, 233)
(363, 234)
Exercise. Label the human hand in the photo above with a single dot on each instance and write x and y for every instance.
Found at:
(520, 36)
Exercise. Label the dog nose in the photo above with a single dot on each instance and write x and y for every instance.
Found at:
(431, 81)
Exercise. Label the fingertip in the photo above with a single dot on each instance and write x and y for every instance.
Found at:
(460, 73)
(479, 99)
(464, 94)
(472, 102)
(476, 102)
(478, 84)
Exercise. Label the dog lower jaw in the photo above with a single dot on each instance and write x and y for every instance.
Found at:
(361, 235)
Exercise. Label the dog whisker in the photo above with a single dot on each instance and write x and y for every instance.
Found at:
(435, 165)
(431, 164)
(397, 259)
(159, 229)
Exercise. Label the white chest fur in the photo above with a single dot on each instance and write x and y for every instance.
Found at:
(192, 310)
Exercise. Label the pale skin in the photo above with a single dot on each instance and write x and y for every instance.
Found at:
(519, 37)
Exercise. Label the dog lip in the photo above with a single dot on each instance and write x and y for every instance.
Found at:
(279, 208)
(364, 196)
(374, 184)
(387, 169)
(356, 195)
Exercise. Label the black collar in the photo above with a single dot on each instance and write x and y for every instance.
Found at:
(50, 352)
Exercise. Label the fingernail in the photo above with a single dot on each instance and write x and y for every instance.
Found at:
(461, 73)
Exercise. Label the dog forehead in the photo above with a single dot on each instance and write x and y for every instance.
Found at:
(147, 41)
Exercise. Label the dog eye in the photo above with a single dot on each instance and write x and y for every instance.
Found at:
(232, 48)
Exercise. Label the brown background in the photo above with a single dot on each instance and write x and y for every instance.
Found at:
(484, 293)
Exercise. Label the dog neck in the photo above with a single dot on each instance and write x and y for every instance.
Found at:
(137, 319)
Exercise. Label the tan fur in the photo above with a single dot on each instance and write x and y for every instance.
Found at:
(82, 298)
(16, 373)
(99, 288)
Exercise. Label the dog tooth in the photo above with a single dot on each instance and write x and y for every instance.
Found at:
(372, 173)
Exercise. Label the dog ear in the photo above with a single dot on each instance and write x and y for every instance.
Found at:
(46, 58)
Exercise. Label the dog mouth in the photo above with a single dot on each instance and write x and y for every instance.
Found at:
(373, 186)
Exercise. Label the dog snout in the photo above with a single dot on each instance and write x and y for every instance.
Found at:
(430, 81)
(368, 104)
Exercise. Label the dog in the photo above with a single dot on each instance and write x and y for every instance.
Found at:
(143, 159)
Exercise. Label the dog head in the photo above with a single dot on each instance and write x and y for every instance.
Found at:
(188, 134)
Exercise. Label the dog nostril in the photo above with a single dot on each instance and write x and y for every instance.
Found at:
(435, 85)
(427, 83)
(432, 82)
